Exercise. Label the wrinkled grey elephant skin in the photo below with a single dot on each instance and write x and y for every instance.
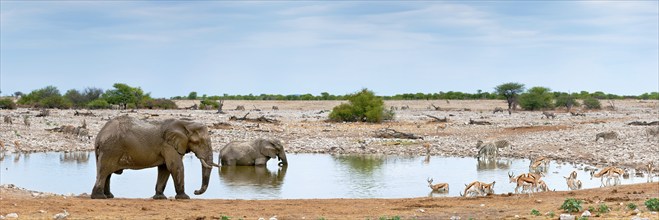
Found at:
(252, 153)
(128, 143)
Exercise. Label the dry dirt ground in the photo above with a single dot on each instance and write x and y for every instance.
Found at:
(303, 127)
(492, 207)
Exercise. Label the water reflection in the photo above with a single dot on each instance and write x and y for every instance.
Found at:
(259, 176)
(74, 157)
(493, 163)
(361, 164)
(311, 176)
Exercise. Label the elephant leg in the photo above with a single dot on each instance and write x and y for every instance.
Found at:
(98, 192)
(163, 176)
(175, 167)
(260, 161)
(107, 192)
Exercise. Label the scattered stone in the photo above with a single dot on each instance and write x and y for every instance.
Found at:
(421, 210)
(62, 215)
(566, 217)
(639, 218)
(585, 214)
(455, 217)
(11, 215)
(273, 218)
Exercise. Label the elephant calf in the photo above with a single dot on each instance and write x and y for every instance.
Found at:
(251, 153)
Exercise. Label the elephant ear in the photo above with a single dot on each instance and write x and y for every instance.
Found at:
(176, 138)
(194, 132)
(268, 148)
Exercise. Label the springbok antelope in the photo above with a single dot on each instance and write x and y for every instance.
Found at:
(439, 187)
(610, 173)
(524, 181)
(542, 187)
(478, 188)
(535, 164)
(572, 182)
(650, 168)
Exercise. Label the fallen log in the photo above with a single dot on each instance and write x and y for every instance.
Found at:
(643, 123)
(391, 133)
(472, 122)
(437, 119)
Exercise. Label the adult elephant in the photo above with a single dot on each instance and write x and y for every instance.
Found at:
(256, 152)
(128, 143)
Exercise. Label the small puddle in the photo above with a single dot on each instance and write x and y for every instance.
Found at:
(307, 176)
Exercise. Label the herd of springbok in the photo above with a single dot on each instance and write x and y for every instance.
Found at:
(532, 181)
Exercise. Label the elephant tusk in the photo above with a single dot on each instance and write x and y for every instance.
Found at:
(208, 165)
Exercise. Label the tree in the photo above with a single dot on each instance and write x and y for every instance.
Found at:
(566, 100)
(192, 95)
(363, 106)
(47, 97)
(510, 91)
(537, 98)
(125, 96)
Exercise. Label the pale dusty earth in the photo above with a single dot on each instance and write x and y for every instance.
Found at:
(303, 127)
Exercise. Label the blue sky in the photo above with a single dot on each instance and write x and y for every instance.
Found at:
(171, 48)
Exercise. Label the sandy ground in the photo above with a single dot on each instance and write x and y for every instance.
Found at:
(302, 126)
(492, 207)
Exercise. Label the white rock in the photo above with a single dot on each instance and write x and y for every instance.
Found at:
(11, 215)
(585, 214)
(566, 217)
(273, 218)
(60, 216)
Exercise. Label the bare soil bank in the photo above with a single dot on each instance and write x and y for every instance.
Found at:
(506, 206)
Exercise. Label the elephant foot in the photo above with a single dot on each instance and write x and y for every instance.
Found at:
(109, 195)
(159, 196)
(182, 196)
(99, 196)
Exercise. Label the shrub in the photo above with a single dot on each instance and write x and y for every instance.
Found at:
(98, 104)
(566, 101)
(536, 98)
(160, 104)
(207, 102)
(603, 208)
(54, 102)
(7, 104)
(631, 206)
(535, 212)
(592, 103)
(363, 106)
(652, 204)
(571, 205)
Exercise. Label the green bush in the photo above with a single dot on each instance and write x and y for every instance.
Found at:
(54, 102)
(363, 106)
(603, 208)
(160, 104)
(207, 102)
(537, 98)
(7, 104)
(592, 103)
(571, 205)
(98, 104)
(652, 204)
(631, 206)
(566, 101)
(535, 212)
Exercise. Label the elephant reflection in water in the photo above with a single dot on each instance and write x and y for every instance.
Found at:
(492, 164)
(78, 157)
(252, 175)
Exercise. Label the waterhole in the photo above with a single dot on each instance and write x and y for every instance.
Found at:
(306, 176)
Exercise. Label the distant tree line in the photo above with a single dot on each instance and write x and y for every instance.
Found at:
(124, 96)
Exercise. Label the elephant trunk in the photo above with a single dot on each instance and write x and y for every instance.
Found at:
(206, 168)
(282, 159)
